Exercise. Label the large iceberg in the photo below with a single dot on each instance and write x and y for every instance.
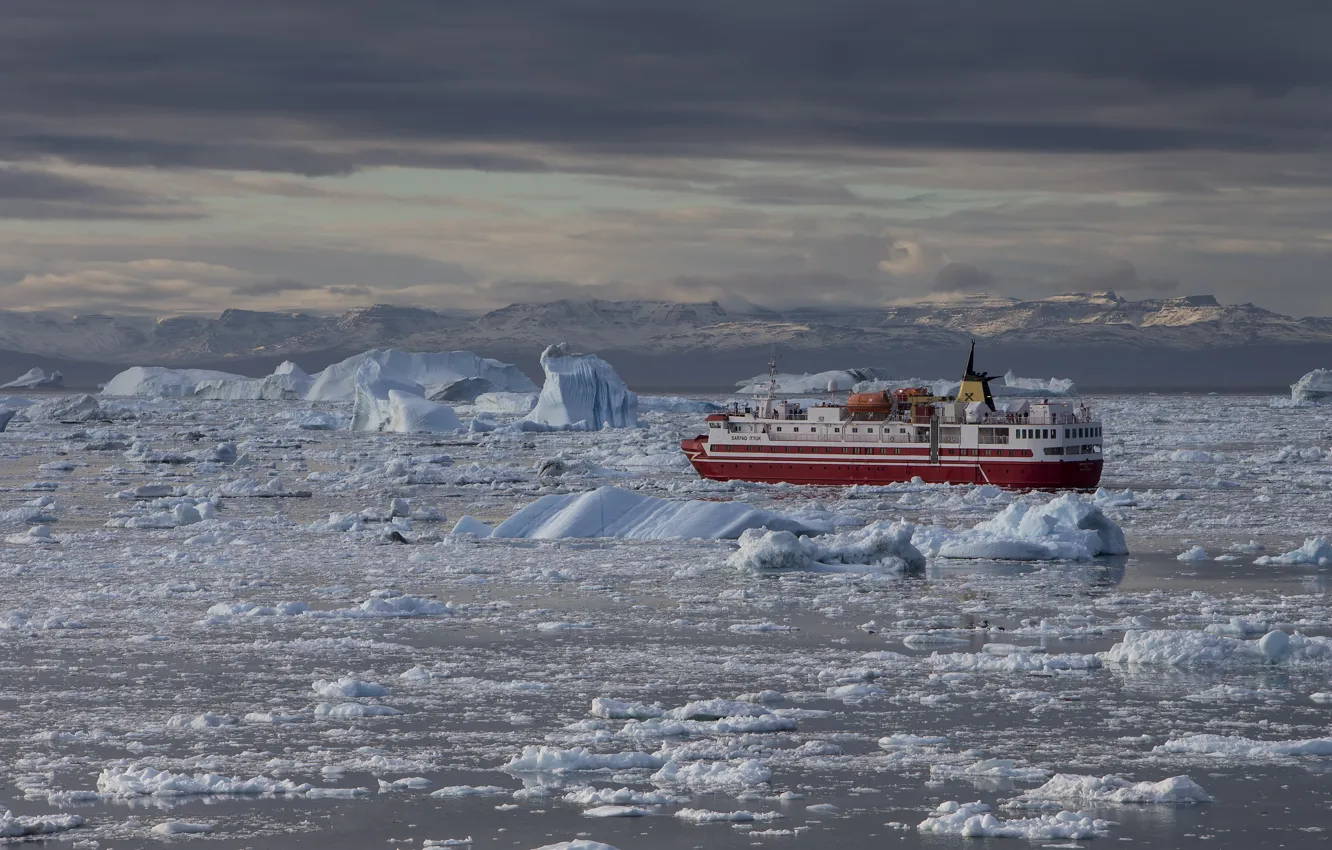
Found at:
(582, 391)
(419, 373)
(287, 382)
(35, 379)
(161, 382)
(401, 412)
(612, 512)
(1315, 386)
(1009, 386)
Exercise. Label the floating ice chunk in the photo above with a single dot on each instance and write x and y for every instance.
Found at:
(1066, 527)
(1037, 661)
(924, 640)
(718, 775)
(879, 546)
(555, 760)
(1201, 649)
(1234, 693)
(580, 844)
(202, 721)
(706, 816)
(407, 783)
(1197, 553)
(973, 820)
(39, 535)
(459, 791)
(337, 793)
(616, 812)
(615, 709)
(26, 825)
(613, 512)
(315, 420)
(1316, 386)
(1316, 551)
(136, 781)
(582, 388)
(589, 796)
(1238, 747)
(346, 687)
(354, 709)
(716, 709)
(1321, 696)
(288, 382)
(180, 827)
(992, 768)
(447, 842)
(1078, 789)
(397, 606)
(898, 740)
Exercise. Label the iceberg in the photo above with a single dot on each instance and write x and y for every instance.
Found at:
(1065, 527)
(819, 382)
(582, 392)
(1313, 387)
(401, 412)
(414, 372)
(287, 382)
(1009, 386)
(160, 382)
(520, 403)
(612, 512)
(35, 379)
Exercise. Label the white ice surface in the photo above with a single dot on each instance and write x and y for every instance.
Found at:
(404, 369)
(582, 391)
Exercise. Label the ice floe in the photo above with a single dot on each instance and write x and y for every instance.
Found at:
(1064, 788)
(1066, 527)
(880, 546)
(1165, 648)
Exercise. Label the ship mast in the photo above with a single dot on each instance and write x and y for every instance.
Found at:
(768, 409)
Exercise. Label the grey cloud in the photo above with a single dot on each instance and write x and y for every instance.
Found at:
(271, 287)
(962, 277)
(320, 87)
(350, 291)
(27, 193)
(1121, 276)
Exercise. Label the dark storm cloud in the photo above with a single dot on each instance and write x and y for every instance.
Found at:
(271, 287)
(324, 86)
(34, 194)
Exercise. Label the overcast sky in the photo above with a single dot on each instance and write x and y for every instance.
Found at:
(182, 156)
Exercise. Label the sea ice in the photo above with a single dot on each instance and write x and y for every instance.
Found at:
(555, 760)
(711, 776)
(347, 687)
(27, 825)
(582, 391)
(1066, 527)
(1316, 551)
(1240, 747)
(137, 781)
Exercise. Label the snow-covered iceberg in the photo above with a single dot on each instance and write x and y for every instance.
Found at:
(582, 391)
(613, 512)
(161, 382)
(422, 373)
(35, 379)
(288, 382)
(402, 413)
(1315, 386)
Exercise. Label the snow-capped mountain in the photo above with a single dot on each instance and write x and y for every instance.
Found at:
(644, 330)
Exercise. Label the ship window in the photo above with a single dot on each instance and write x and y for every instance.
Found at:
(855, 430)
(779, 427)
(837, 430)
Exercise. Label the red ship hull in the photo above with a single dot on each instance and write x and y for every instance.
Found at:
(1006, 473)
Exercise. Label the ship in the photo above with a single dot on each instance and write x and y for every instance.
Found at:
(902, 435)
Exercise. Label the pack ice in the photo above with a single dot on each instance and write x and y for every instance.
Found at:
(613, 512)
(582, 392)
(1066, 527)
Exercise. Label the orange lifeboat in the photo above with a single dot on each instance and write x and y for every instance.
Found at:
(870, 403)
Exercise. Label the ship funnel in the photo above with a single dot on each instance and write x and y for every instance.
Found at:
(975, 385)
